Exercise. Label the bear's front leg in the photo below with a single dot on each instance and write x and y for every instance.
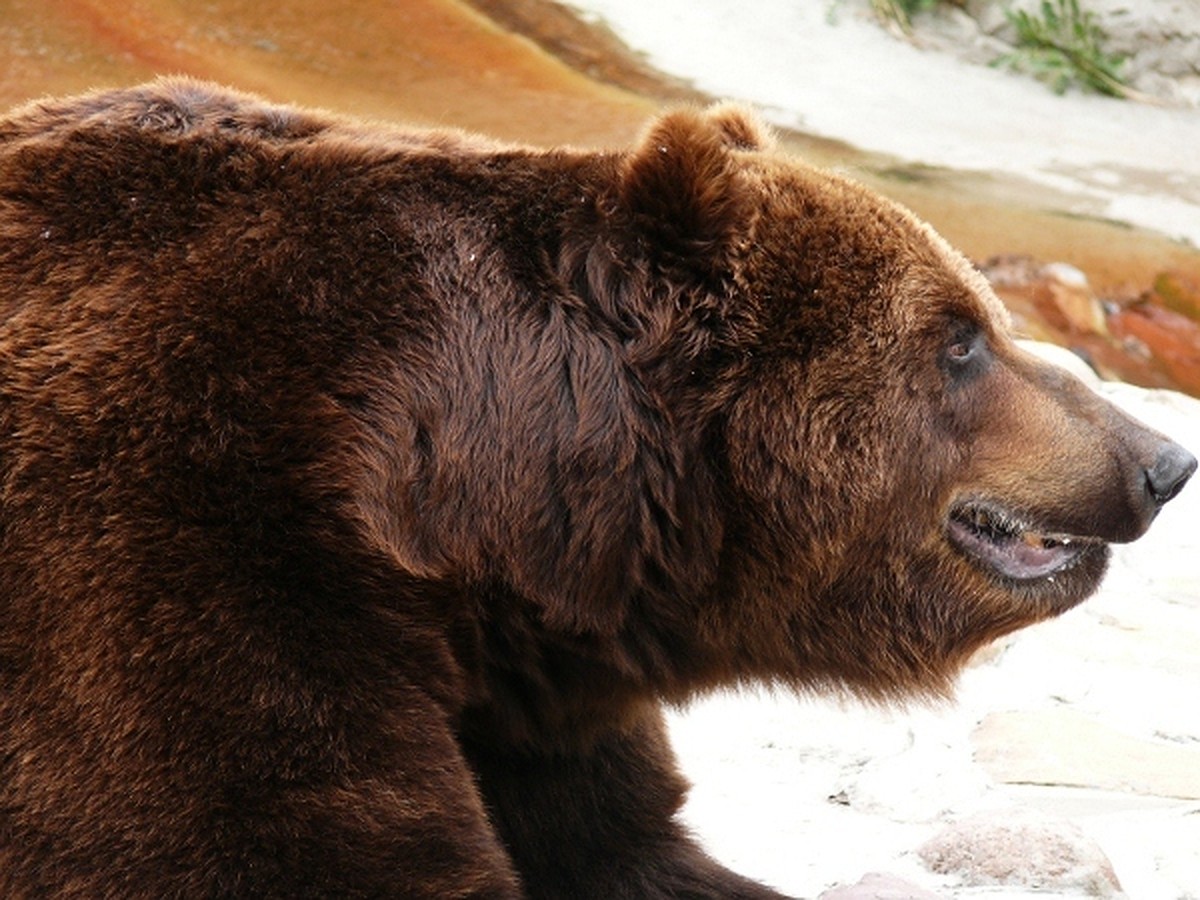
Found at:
(600, 822)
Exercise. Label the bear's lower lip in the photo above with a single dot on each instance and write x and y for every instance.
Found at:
(1003, 543)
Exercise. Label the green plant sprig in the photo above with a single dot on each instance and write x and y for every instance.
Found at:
(1064, 46)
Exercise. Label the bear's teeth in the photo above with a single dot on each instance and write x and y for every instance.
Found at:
(1052, 542)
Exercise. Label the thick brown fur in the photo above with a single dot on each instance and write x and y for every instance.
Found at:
(364, 492)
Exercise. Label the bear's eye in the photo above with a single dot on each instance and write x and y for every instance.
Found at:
(960, 351)
(966, 351)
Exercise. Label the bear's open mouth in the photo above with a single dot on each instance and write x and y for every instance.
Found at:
(1009, 546)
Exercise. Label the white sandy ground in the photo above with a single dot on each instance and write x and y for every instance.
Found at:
(1092, 718)
(826, 68)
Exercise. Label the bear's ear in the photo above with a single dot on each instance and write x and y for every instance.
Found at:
(681, 185)
(742, 129)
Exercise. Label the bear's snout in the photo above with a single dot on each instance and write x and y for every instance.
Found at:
(1116, 473)
(1155, 470)
(1169, 473)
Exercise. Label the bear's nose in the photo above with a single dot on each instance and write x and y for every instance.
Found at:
(1169, 473)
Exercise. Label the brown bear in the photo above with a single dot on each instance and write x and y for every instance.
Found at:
(365, 492)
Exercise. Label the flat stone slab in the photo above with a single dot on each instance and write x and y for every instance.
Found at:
(879, 886)
(1064, 747)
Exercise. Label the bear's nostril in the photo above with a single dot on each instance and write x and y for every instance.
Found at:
(1169, 473)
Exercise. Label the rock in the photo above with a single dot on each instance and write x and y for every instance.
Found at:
(1056, 293)
(1179, 293)
(1151, 339)
(989, 14)
(1062, 294)
(876, 886)
(1064, 747)
(1010, 270)
(1172, 340)
(1064, 358)
(1019, 848)
(1065, 274)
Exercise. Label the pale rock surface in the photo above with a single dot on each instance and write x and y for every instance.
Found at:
(1023, 849)
(1061, 746)
(879, 886)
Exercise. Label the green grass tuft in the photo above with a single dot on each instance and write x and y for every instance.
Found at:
(1064, 46)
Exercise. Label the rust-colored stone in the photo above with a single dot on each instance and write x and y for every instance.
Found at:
(1178, 292)
(1062, 294)
(1171, 339)
(1150, 340)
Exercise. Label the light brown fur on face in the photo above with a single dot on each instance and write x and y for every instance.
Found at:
(363, 491)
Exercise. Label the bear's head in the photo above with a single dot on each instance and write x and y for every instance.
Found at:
(895, 481)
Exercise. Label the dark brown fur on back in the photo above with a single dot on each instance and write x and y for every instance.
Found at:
(364, 491)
